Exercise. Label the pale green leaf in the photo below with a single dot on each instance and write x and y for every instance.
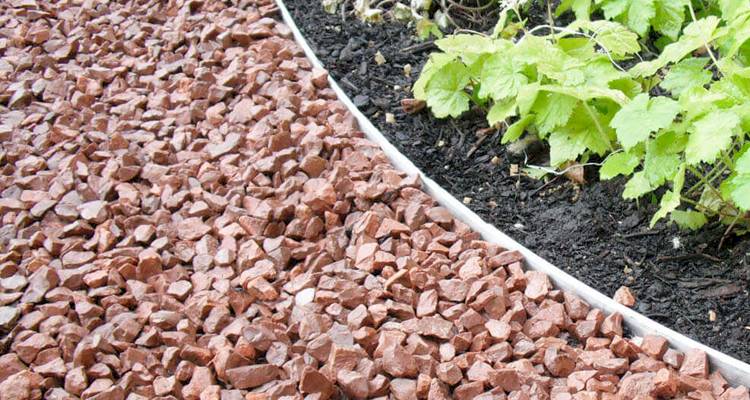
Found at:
(501, 77)
(710, 135)
(662, 159)
(622, 163)
(692, 220)
(615, 37)
(695, 36)
(686, 74)
(433, 64)
(552, 110)
(614, 8)
(526, 98)
(581, 8)
(446, 95)
(500, 111)
(642, 116)
(670, 15)
(581, 133)
(468, 47)
(640, 13)
(731, 9)
(738, 189)
(636, 187)
(587, 93)
(669, 202)
(516, 130)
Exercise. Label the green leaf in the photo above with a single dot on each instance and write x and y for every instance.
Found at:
(618, 164)
(669, 202)
(500, 111)
(501, 77)
(686, 74)
(692, 220)
(670, 15)
(640, 13)
(579, 135)
(731, 9)
(526, 98)
(446, 95)
(695, 36)
(516, 130)
(662, 159)
(433, 64)
(425, 28)
(587, 93)
(468, 47)
(642, 116)
(552, 110)
(581, 8)
(636, 187)
(710, 135)
(614, 8)
(616, 38)
(738, 189)
(671, 199)
(742, 163)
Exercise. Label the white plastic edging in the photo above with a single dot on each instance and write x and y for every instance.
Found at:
(735, 371)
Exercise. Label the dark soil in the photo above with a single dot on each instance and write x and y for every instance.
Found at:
(588, 231)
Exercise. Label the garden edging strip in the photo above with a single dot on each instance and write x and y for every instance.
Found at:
(735, 371)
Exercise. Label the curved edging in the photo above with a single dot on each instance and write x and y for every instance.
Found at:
(735, 371)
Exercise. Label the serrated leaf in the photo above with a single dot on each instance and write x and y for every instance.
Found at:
(662, 160)
(695, 35)
(579, 135)
(526, 98)
(710, 135)
(516, 130)
(552, 110)
(614, 8)
(445, 92)
(687, 74)
(636, 187)
(669, 202)
(640, 13)
(742, 163)
(738, 189)
(637, 120)
(501, 77)
(615, 37)
(670, 15)
(469, 47)
(618, 164)
(433, 64)
(581, 8)
(500, 111)
(587, 93)
(692, 220)
(731, 9)
(671, 199)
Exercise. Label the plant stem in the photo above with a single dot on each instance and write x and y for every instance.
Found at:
(705, 43)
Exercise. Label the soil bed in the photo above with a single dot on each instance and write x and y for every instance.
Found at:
(679, 278)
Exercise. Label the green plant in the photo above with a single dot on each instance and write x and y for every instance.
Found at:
(663, 16)
(688, 149)
(556, 86)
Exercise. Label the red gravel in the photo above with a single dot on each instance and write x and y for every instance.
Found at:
(187, 212)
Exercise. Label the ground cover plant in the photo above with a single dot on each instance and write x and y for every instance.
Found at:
(681, 115)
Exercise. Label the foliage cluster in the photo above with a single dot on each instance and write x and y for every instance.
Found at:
(676, 125)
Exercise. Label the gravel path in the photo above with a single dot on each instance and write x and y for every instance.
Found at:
(188, 212)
